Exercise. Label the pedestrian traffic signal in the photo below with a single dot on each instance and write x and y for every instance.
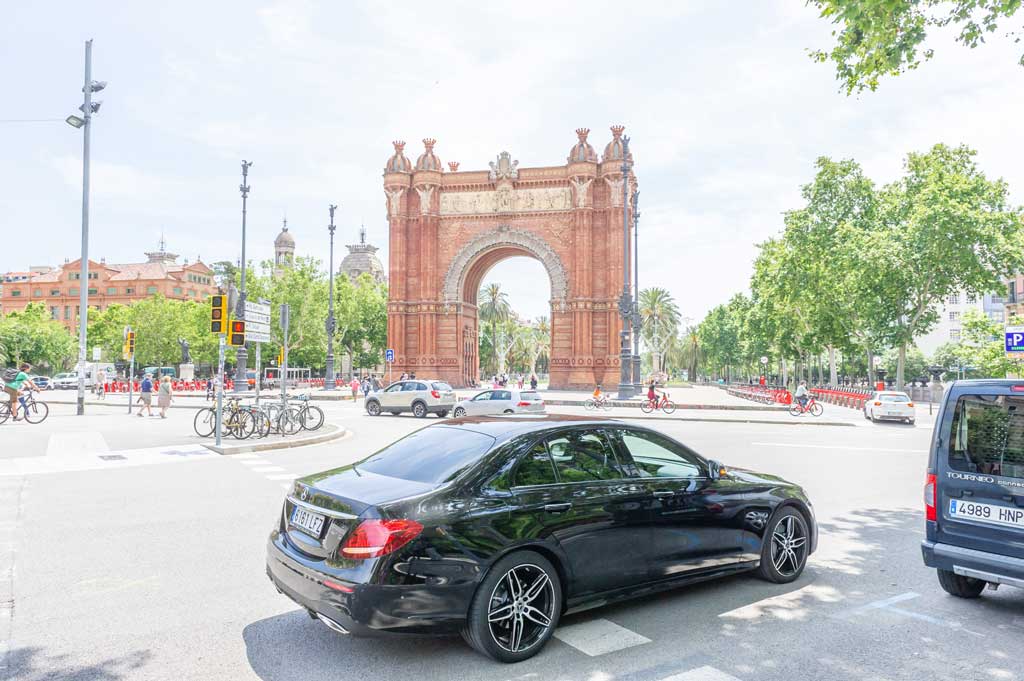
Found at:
(218, 314)
(236, 337)
(280, 357)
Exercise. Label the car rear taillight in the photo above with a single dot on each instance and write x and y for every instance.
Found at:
(1017, 388)
(374, 538)
(930, 499)
(910, 404)
(878, 404)
(523, 404)
(436, 395)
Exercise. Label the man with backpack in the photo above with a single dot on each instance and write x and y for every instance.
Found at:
(14, 380)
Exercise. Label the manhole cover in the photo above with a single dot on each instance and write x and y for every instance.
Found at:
(111, 457)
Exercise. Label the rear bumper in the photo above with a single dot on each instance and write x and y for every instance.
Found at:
(991, 567)
(369, 610)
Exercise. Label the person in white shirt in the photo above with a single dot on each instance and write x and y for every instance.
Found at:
(802, 393)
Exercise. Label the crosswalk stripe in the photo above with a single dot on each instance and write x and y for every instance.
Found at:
(268, 469)
(286, 476)
(599, 636)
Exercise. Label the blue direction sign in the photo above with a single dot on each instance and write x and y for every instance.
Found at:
(1015, 339)
(389, 355)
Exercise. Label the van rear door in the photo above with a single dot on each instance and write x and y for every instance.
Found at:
(980, 470)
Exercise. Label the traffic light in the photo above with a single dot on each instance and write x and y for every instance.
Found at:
(236, 337)
(130, 343)
(218, 314)
(280, 357)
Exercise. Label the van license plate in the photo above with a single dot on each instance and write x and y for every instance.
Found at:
(986, 513)
(309, 522)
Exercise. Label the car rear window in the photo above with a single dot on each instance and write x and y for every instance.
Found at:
(895, 398)
(432, 455)
(988, 435)
(530, 396)
(438, 385)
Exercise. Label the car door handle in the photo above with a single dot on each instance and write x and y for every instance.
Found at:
(557, 508)
(662, 493)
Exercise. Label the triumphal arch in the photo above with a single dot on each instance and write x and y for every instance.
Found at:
(448, 227)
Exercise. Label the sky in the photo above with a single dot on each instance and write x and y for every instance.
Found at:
(725, 109)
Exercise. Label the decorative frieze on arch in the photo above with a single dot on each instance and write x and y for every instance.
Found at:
(505, 237)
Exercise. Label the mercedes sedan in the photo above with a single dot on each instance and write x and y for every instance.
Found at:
(496, 527)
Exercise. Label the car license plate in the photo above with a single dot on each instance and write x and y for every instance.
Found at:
(307, 521)
(893, 413)
(986, 513)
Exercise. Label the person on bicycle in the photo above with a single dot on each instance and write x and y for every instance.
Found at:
(802, 395)
(16, 383)
(652, 394)
(598, 395)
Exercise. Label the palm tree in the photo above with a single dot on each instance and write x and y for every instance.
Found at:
(493, 308)
(660, 321)
(540, 342)
(693, 353)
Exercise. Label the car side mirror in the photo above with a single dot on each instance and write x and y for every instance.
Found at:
(716, 470)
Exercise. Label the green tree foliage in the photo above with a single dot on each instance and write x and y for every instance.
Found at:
(31, 336)
(876, 38)
(659, 316)
(158, 323)
(980, 349)
(494, 309)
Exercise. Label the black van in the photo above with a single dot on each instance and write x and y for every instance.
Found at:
(974, 490)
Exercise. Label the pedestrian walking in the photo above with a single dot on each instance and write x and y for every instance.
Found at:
(209, 389)
(146, 395)
(163, 399)
(354, 384)
(533, 382)
(100, 386)
(366, 386)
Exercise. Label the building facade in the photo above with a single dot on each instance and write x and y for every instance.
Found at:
(950, 325)
(1015, 297)
(122, 284)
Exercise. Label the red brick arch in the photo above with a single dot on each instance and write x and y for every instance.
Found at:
(447, 229)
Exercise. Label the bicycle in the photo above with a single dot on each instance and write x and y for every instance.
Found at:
(664, 404)
(31, 411)
(236, 420)
(592, 403)
(815, 409)
(311, 417)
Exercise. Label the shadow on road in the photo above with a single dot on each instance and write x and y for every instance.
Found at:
(33, 664)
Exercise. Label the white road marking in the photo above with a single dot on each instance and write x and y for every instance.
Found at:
(286, 486)
(599, 636)
(257, 462)
(76, 442)
(888, 603)
(286, 476)
(65, 462)
(268, 469)
(245, 455)
(704, 673)
(857, 449)
(885, 603)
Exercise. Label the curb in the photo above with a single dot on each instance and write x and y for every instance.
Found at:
(331, 432)
(709, 407)
(759, 421)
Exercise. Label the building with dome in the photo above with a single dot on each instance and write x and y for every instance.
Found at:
(362, 259)
(284, 249)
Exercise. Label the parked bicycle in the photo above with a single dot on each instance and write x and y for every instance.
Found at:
(31, 410)
(812, 407)
(663, 403)
(311, 417)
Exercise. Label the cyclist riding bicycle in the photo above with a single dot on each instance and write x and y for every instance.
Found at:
(652, 394)
(14, 383)
(802, 394)
(598, 395)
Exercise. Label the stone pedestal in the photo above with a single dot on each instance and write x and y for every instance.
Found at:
(186, 372)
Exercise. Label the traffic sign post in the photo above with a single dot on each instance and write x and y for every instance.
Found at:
(220, 387)
(1014, 342)
(129, 354)
(389, 358)
(285, 318)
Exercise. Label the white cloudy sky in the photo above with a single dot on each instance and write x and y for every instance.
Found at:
(726, 113)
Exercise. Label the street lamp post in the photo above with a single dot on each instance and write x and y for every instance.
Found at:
(88, 108)
(241, 377)
(329, 382)
(625, 302)
(637, 322)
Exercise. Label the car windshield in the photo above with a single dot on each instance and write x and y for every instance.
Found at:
(988, 435)
(895, 398)
(433, 455)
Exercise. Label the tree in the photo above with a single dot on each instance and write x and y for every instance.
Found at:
(539, 341)
(32, 336)
(493, 309)
(877, 38)
(916, 364)
(659, 316)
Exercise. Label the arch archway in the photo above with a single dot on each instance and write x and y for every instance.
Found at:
(447, 229)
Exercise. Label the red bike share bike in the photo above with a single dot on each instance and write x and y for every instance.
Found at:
(662, 403)
(812, 408)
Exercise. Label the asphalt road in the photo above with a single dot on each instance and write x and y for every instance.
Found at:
(156, 571)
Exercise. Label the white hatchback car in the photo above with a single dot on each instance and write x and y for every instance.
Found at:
(889, 405)
(501, 401)
(421, 397)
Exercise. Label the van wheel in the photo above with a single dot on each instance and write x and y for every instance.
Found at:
(515, 609)
(960, 586)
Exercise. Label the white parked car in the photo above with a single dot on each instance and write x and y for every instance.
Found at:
(419, 396)
(889, 405)
(501, 401)
(66, 381)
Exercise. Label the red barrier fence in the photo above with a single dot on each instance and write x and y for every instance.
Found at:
(762, 394)
(853, 398)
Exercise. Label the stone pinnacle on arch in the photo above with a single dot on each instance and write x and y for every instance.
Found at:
(428, 160)
(613, 152)
(398, 163)
(582, 152)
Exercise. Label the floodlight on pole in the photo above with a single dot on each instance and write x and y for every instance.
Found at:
(74, 121)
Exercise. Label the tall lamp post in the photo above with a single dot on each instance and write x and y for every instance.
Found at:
(625, 301)
(637, 321)
(88, 108)
(241, 377)
(329, 382)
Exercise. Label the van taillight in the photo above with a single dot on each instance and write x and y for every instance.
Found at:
(930, 498)
(1017, 388)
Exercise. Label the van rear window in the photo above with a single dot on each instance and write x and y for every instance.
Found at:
(988, 435)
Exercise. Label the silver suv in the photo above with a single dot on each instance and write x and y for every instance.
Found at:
(421, 397)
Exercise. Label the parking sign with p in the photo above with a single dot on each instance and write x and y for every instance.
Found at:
(1015, 340)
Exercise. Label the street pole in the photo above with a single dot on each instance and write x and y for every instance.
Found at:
(637, 322)
(83, 297)
(241, 379)
(220, 388)
(285, 319)
(329, 382)
(625, 390)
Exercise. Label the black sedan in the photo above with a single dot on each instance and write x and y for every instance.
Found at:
(496, 526)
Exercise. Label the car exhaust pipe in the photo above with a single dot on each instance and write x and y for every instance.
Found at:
(334, 626)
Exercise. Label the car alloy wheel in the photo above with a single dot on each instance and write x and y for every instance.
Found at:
(521, 608)
(419, 410)
(373, 408)
(459, 412)
(784, 547)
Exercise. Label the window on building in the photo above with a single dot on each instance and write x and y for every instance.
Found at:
(55, 292)
(111, 290)
(129, 291)
(954, 315)
(972, 298)
(72, 291)
(16, 293)
(954, 334)
(177, 290)
(92, 291)
(67, 312)
(1011, 292)
(151, 290)
(54, 312)
(38, 293)
(74, 276)
(954, 299)
(94, 275)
